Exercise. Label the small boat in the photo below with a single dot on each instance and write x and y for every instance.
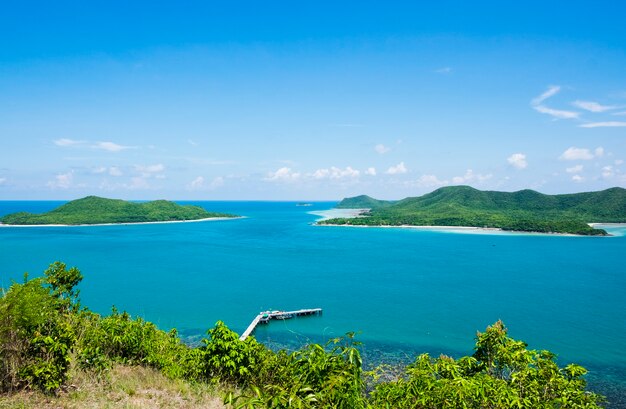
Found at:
(283, 316)
(304, 204)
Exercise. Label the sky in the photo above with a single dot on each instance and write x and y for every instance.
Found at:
(322, 100)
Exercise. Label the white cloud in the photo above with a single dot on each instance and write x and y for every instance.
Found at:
(192, 142)
(62, 181)
(574, 153)
(197, 183)
(150, 170)
(575, 169)
(2, 181)
(577, 178)
(537, 105)
(370, 171)
(599, 151)
(110, 146)
(113, 170)
(103, 145)
(335, 173)
(556, 113)
(621, 113)
(618, 161)
(551, 91)
(608, 124)
(397, 170)
(444, 70)
(283, 174)
(593, 106)
(470, 176)
(430, 181)
(381, 149)
(607, 172)
(67, 142)
(217, 182)
(518, 160)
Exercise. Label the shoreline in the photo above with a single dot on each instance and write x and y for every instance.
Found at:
(329, 214)
(208, 219)
(463, 230)
(479, 230)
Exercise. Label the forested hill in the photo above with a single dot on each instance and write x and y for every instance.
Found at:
(525, 210)
(363, 202)
(98, 210)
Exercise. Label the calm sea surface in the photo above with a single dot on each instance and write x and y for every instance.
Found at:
(404, 290)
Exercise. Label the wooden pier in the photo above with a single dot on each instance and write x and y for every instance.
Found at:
(264, 317)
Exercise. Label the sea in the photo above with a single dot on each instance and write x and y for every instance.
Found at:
(402, 291)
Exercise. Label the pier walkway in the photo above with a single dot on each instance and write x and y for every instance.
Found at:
(265, 316)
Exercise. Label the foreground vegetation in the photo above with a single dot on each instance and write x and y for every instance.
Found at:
(46, 336)
(525, 210)
(98, 210)
(123, 386)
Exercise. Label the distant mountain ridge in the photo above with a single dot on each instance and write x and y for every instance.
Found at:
(524, 210)
(99, 210)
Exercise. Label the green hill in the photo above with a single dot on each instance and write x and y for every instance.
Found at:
(525, 210)
(362, 202)
(98, 210)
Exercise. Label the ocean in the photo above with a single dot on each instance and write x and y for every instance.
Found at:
(403, 291)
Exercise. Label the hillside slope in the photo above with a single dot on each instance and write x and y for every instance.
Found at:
(98, 210)
(525, 210)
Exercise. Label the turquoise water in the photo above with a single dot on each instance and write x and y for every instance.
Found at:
(404, 290)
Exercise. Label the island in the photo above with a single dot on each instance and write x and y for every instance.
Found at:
(464, 206)
(92, 210)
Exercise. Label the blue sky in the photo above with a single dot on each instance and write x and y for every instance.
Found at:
(237, 100)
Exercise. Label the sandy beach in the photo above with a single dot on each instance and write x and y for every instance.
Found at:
(208, 219)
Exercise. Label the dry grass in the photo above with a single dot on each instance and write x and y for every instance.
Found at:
(124, 387)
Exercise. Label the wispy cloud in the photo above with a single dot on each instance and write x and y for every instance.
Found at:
(3, 181)
(518, 160)
(68, 142)
(592, 106)
(370, 171)
(574, 153)
(110, 146)
(397, 170)
(621, 113)
(444, 70)
(556, 113)
(608, 124)
(381, 149)
(100, 145)
(537, 104)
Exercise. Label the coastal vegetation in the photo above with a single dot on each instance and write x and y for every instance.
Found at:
(47, 339)
(525, 210)
(98, 210)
